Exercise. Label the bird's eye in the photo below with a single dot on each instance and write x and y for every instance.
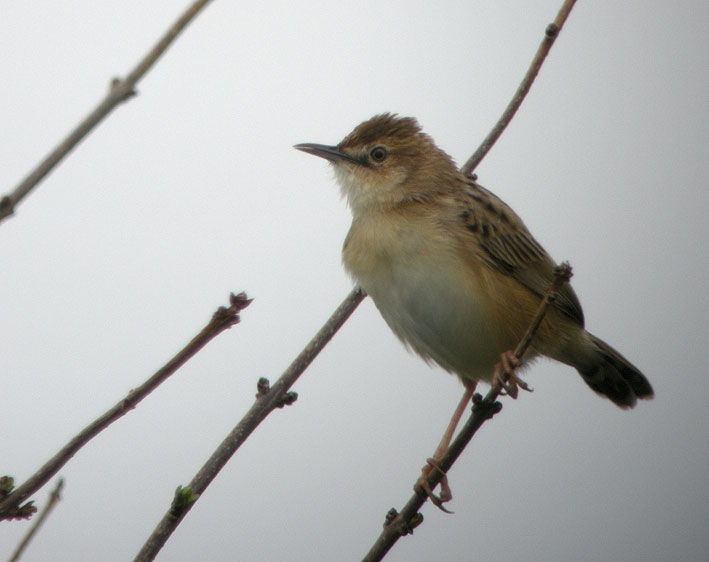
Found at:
(379, 154)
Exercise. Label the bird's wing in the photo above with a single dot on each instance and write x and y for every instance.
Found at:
(508, 247)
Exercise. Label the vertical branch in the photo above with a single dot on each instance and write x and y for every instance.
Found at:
(119, 91)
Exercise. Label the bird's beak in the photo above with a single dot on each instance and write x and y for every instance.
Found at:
(331, 153)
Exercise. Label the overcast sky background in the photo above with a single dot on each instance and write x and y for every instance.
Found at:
(192, 190)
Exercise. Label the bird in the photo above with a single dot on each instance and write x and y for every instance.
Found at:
(453, 270)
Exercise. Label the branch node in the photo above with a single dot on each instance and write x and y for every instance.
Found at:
(239, 301)
(408, 527)
(287, 399)
(128, 403)
(485, 408)
(226, 317)
(21, 512)
(7, 484)
(118, 85)
(552, 31)
(262, 387)
(184, 497)
(390, 516)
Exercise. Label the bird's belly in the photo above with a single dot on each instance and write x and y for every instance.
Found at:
(440, 313)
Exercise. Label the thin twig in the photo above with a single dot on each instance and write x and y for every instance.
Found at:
(550, 35)
(222, 319)
(119, 91)
(267, 400)
(400, 524)
(54, 497)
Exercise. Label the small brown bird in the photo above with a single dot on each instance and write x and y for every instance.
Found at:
(452, 269)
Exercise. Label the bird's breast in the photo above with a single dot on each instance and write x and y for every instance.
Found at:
(432, 300)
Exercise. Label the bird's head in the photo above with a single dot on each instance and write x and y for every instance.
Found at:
(387, 161)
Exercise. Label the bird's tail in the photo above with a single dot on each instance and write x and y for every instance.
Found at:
(609, 373)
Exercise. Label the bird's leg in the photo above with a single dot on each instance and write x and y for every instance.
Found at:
(505, 378)
(431, 463)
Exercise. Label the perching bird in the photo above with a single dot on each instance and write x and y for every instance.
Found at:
(452, 269)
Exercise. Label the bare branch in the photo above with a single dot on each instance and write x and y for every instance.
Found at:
(222, 319)
(400, 524)
(119, 91)
(267, 399)
(54, 497)
(550, 35)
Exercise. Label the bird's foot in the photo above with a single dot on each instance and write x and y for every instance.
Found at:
(422, 485)
(505, 378)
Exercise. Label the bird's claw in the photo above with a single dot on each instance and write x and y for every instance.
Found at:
(445, 496)
(505, 378)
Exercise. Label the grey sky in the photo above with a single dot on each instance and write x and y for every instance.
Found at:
(192, 190)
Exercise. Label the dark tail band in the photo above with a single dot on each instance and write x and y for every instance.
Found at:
(615, 377)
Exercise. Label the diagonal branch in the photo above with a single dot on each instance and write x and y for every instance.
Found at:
(400, 524)
(268, 399)
(550, 35)
(223, 319)
(119, 91)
